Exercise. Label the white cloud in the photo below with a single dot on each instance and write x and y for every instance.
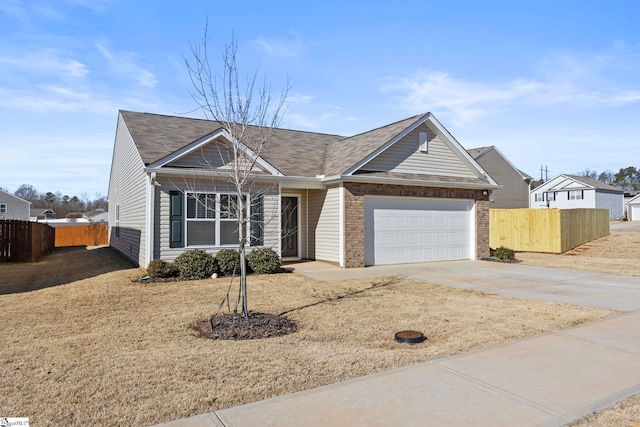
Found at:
(298, 98)
(281, 48)
(123, 64)
(49, 62)
(572, 79)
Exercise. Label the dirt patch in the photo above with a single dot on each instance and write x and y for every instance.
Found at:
(232, 326)
(102, 350)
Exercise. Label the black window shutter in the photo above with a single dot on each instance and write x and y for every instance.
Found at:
(176, 220)
(257, 220)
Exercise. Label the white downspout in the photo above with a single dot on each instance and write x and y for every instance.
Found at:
(151, 193)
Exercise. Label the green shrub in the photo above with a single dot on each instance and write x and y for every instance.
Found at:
(196, 264)
(264, 261)
(228, 261)
(505, 253)
(161, 269)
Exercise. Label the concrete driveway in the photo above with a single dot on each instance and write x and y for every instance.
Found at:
(544, 380)
(550, 284)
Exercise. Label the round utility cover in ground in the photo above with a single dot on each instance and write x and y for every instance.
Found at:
(410, 337)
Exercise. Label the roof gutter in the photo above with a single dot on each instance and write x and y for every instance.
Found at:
(411, 182)
(320, 181)
(289, 181)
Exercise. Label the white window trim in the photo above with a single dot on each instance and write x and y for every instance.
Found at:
(3, 208)
(577, 193)
(217, 219)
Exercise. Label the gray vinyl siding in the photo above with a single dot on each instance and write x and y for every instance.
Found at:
(514, 192)
(327, 225)
(612, 201)
(17, 208)
(405, 157)
(161, 220)
(127, 189)
(212, 156)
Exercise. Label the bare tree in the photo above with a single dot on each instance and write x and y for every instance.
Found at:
(27, 192)
(246, 110)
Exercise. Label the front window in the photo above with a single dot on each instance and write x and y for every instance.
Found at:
(539, 197)
(576, 195)
(551, 196)
(212, 219)
(3, 208)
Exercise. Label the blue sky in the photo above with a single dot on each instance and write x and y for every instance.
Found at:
(553, 83)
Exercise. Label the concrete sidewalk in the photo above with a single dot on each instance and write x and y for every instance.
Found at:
(545, 380)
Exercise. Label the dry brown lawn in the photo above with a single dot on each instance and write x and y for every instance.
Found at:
(617, 253)
(82, 344)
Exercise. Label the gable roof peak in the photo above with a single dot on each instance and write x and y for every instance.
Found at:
(388, 125)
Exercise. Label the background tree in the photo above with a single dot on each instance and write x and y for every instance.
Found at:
(27, 192)
(606, 177)
(249, 114)
(627, 179)
(588, 173)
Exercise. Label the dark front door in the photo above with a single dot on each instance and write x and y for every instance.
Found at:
(289, 227)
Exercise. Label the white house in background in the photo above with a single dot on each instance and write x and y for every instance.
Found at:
(13, 207)
(570, 191)
(633, 208)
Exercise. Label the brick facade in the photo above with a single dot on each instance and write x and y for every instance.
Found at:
(354, 194)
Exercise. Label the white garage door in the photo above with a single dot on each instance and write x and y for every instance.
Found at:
(634, 212)
(403, 230)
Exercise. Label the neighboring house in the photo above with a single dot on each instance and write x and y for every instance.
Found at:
(404, 192)
(13, 207)
(570, 191)
(38, 214)
(514, 190)
(98, 215)
(628, 196)
(633, 208)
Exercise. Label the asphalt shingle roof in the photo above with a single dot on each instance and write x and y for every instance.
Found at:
(292, 152)
(595, 183)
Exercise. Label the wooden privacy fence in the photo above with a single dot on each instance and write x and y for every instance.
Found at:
(92, 234)
(546, 230)
(25, 241)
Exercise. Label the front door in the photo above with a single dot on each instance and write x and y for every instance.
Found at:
(289, 227)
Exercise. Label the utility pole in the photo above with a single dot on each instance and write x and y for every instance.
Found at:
(546, 173)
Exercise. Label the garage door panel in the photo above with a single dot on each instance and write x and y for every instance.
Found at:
(401, 230)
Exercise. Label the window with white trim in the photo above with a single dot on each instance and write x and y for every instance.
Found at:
(551, 196)
(539, 197)
(212, 219)
(3, 208)
(576, 194)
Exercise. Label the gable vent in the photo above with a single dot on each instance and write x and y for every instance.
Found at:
(424, 147)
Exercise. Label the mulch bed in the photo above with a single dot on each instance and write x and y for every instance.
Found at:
(494, 259)
(232, 326)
